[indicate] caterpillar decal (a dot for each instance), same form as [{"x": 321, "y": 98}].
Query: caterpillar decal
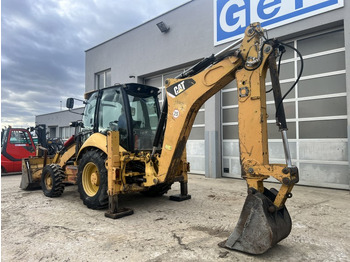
[{"x": 178, "y": 88}]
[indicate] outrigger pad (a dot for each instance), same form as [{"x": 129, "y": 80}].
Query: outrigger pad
[
  {"x": 122, "y": 212},
  {"x": 179, "y": 197},
  {"x": 259, "y": 229}
]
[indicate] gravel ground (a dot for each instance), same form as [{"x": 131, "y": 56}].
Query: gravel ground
[{"x": 37, "y": 228}]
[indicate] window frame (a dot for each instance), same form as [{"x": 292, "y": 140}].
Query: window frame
[{"x": 103, "y": 74}]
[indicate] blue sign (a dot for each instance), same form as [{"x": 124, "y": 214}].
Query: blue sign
[{"x": 231, "y": 17}]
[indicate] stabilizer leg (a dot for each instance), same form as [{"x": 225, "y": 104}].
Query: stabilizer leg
[
  {"x": 113, "y": 211},
  {"x": 184, "y": 193}
]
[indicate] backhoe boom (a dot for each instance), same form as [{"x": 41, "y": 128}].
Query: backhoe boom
[{"x": 185, "y": 96}]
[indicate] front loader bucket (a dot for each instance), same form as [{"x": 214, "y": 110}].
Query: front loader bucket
[
  {"x": 27, "y": 182},
  {"x": 260, "y": 225}
]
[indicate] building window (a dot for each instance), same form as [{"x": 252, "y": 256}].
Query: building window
[
  {"x": 103, "y": 79},
  {"x": 52, "y": 133},
  {"x": 66, "y": 132}
]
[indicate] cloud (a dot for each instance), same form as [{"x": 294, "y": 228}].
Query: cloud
[{"x": 43, "y": 44}]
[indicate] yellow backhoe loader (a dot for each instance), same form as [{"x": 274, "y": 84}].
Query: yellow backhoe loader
[{"x": 128, "y": 144}]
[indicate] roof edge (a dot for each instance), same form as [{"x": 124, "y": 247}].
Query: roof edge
[{"x": 62, "y": 111}]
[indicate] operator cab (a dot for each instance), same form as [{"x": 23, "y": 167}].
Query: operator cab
[{"x": 131, "y": 109}]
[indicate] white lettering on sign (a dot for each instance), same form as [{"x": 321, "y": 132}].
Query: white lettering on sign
[
  {"x": 179, "y": 88},
  {"x": 231, "y": 17}
]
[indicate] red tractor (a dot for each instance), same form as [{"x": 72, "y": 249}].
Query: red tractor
[{"x": 16, "y": 143}]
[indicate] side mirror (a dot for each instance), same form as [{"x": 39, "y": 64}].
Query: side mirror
[{"x": 70, "y": 103}]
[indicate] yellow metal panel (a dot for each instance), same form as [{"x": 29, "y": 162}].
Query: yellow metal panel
[
  {"x": 113, "y": 161},
  {"x": 67, "y": 155},
  {"x": 97, "y": 140}
]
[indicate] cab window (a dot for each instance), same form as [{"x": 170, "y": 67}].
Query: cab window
[
  {"x": 144, "y": 121},
  {"x": 19, "y": 137},
  {"x": 112, "y": 114},
  {"x": 89, "y": 113},
  {"x": 111, "y": 107}
]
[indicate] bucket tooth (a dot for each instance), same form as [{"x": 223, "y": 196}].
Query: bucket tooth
[{"x": 260, "y": 225}]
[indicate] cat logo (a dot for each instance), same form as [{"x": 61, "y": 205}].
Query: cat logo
[{"x": 179, "y": 88}]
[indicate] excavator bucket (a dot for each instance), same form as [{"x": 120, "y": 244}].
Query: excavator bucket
[
  {"x": 27, "y": 181},
  {"x": 260, "y": 225}
]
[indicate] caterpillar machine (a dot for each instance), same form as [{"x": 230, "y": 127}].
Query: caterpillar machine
[{"x": 128, "y": 144}]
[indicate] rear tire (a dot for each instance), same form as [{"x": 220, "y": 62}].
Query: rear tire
[
  {"x": 92, "y": 180},
  {"x": 51, "y": 180}
]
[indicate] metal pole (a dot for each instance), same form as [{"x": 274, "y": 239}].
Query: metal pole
[{"x": 286, "y": 148}]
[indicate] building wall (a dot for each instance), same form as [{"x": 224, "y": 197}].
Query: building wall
[
  {"x": 149, "y": 56},
  {"x": 190, "y": 38},
  {"x": 57, "y": 123},
  {"x": 149, "y": 51}
]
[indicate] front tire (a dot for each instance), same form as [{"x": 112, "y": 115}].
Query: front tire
[
  {"x": 51, "y": 180},
  {"x": 92, "y": 180}
]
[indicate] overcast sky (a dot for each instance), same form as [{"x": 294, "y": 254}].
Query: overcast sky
[{"x": 43, "y": 44}]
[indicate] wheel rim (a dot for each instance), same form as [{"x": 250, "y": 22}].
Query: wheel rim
[
  {"x": 91, "y": 179},
  {"x": 48, "y": 181}
]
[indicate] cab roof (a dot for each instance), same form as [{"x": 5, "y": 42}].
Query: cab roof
[{"x": 135, "y": 89}]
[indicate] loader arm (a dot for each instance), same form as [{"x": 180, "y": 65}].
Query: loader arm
[{"x": 185, "y": 96}]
